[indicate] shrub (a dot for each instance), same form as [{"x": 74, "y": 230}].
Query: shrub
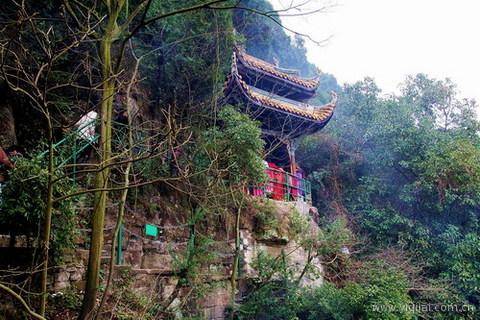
[
  {"x": 266, "y": 219},
  {"x": 381, "y": 292},
  {"x": 237, "y": 146},
  {"x": 332, "y": 237},
  {"x": 299, "y": 224},
  {"x": 23, "y": 202}
]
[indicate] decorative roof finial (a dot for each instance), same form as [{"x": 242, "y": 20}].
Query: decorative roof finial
[
  {"x": 276, "y": 62},
  {"x": 334, "y": 100}
]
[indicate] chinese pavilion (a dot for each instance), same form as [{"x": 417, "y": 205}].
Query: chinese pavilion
[{"x": 278, "y": 98}]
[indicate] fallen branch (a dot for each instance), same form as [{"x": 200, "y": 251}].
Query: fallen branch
[{"x": 20, "y": 299}]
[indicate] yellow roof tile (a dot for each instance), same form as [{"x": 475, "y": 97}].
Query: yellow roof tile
[
  {"x": 271, "y": 69},
  {"x": 317, "y": 113}
]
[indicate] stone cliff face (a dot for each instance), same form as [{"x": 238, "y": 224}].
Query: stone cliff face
[
  {"x": 151, "y": 264},
  {"x": 7, "y": 126},
  {"x": 278, "y": 240}
]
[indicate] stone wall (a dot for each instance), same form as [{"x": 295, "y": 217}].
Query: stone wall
[
  {"x": 150, "y": 262},
  {"x": 7, "y": 126},
  {"x": 277, "y": 242}
]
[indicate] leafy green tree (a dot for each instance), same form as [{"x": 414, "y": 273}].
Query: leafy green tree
[
  {"x": 405, "y": 169},
  {"x": 23, "y": 203},
  {"x": 238, "y": 144},
  {"x": 266, "y": 39},
  {"x": 194, "y": 52}
]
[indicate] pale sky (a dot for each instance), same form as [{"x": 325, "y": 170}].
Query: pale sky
[{"x": 390, "y": 39}]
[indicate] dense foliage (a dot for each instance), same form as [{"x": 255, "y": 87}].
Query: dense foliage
[
  {"x": 22, "y": 205},
  {"x": 266, "y": 38},
  {"x": 396, "y": 178},
  {"x": 236, "y": 145},
  {"x": 405, "y": 169},
  {"x": 377, "y": 290},
  {"x": 192, "y": 52},
  {"x": 380, "y": 295}
]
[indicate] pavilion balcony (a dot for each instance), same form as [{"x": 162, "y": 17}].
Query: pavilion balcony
[{"x": 283, "y": 186}]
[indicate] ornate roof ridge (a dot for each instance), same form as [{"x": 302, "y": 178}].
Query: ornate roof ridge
[
  {"x": 316, "y": 113},
  {"x": 254, "y": 62}
]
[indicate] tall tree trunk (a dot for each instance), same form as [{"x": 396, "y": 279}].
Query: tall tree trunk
[
  {"x": 126, "y": 183},
  {"x": 236, "y": 257},
  {"x": 47, "y": 223},
  {"x": 102, "y": 178}
]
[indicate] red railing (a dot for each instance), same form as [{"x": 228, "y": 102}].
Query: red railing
[{"x": 283, "y": 186}]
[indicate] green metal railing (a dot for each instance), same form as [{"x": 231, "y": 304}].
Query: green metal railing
[{"x": 77, "y": 140}]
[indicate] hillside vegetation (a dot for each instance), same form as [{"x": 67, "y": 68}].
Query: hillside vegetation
[{"x": 395, "y": 178}]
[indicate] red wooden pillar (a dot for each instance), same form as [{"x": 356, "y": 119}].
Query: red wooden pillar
[
  {"x": 292, "y": 183},
  {"x": 291, "y": 147}
]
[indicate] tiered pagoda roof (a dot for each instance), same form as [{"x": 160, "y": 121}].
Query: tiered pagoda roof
[
  {"x": 276, "y": 97},
  {"x": 272, "y": 71}
]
